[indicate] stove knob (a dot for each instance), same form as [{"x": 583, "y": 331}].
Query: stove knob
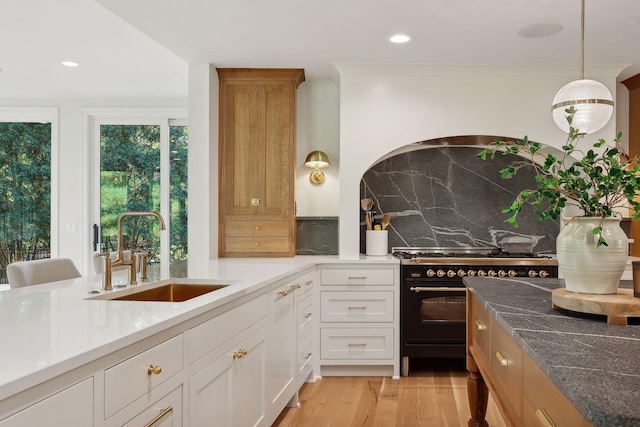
[
  {"x": 491, "y": 273},
  {"x": 471, "y": 273},
  {"x": 512, "y": 273},
  {"x": 482, "y": 273},
  {"x": 502, "y": 273},
  {"x": 532, "y": 273},
  {"x": 451, "y": 273},
  {"x": 543, "y": 273},
  {"x": 430, "y": 273},
  {"x": 441, "y": 273},
  {"x": 461, "y": 273}
]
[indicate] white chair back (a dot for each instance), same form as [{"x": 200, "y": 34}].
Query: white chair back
[{"x": 26, "y": 273}]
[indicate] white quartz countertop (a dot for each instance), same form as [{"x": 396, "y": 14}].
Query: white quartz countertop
[{"x": 51, "y": 329}]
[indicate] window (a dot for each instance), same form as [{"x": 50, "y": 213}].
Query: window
[
  {"x": 142, "y": 166},
  {"x": 25, "y": 186}
]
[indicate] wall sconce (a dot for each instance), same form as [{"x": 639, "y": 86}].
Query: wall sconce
[{"x": 316, "y": 160}]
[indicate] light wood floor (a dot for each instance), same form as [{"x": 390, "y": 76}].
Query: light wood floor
[{"x": 435, "y": 397}]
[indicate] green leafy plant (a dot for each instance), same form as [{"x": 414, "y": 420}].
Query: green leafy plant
[{"x": 597, "y": 180}]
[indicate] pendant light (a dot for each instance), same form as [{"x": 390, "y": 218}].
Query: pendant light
[{"x": 591, "y": 99}]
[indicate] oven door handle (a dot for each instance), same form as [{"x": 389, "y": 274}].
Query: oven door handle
[{"x": 440, "y": 289}]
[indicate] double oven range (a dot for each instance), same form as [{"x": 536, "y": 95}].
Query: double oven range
[{"x": 433, "y": 297}]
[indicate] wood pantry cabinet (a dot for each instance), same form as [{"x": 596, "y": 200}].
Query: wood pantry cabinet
[
  {"x": 257, "y": 140},
  {"x": 525, "y": 396}
]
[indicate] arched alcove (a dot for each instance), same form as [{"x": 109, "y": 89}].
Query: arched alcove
[{"x": 440, "y": 194}]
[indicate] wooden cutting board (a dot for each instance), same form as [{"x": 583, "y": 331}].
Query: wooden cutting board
[{"x": 617, "y": 307}]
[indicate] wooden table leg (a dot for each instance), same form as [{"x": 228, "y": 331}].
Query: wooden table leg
[{"x": 478, "y": 395}]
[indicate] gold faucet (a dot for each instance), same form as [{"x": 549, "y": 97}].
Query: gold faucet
[{"x": 131, "y": 262}]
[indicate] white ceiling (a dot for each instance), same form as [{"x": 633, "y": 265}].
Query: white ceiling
[{"x": 141, "y": 48}]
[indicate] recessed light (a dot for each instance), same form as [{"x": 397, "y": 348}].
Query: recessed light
[
  {"x": 70, "y": 63},
  {"x": 400, "y": 38},
  {"x": 536, "y": 31}
]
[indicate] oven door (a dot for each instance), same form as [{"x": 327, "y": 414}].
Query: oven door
[{"x": 434, "y": 313}]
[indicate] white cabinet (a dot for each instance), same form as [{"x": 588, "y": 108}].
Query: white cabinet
[
  {"x": 307, "y": 314},
  {"x": 282, "y": 342},
  {"x": 231, "y": 391},
  {"x": 71, "y": 407},
  {"x": 166, "y": 412},
  {"x": 138, "y": 375},
  {"x": 359, "y": 319}
]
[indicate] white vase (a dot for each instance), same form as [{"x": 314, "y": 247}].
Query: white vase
[{"x": 587, "y": 268}]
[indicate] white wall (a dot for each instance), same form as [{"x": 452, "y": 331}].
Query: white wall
[
  {"x": 318, "y": 128},
  {"x": 203, "y": 166},
  {"x": 383, "y": 107}
]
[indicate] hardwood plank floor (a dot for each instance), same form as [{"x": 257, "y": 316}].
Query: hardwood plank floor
[{"x": 433, "y": 396}]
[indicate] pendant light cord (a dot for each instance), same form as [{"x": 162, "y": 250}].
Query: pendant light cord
[{"x": 582, "y": 43}]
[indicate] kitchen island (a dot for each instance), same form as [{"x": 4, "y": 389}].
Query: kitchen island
[
  {"x": 591, "y": 364},
  {"x": 71, "y": 358}
]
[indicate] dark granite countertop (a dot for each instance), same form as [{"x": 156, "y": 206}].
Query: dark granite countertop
[{"x": 594, "y": 364}]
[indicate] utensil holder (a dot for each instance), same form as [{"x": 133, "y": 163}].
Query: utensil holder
[{"x": 377, "y": 242}]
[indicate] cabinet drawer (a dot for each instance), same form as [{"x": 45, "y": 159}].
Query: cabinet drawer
[
  {"x": 257, "y": 228},
  {"x": 355, "y": 343},
  {"x": 305, "y": 316},
  {"x": 305, "y": 359},
  {"x": 209, "y": 335},
  {"x": 480, "y": 330},
  {"x": 507, "y": 368},
  {"x": 166, "y": 412},
  {"x": 357, "y": 277},
  {"x": 306, "y": 285},
  {"x": 256, "y": 244},
  {"x": 356, "y": 306},
  {"x": 72, "y": 406},
  {"x": 544, "y": 404},
  {"x": 131, "y": 379}
]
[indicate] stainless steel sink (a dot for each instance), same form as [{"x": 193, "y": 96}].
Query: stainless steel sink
[{"x": 171, "y": 291}]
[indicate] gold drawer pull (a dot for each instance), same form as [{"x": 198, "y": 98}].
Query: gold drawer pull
[
  {"x": 154, "y": 370},
  {"x": 257, "y": 227},
  {"x": 481, "y": 326},
  {"x": 545, "y": 418},
  {"x": 296, "y": 286},
  {"x": 308, "y": 282},
  {"x": 357, "y": 307},
  {"x": 357, "y": 277},
  {"x": 257, "y": 244},
  {"x": 240, "y": 353},
  {"x": 159, "y": 417},
  {"x": 504, "y": 360},
  {"x": 306, "y": 315},
  {"x": 363, "y": 344},
  {"x": 283, "y": 293}
]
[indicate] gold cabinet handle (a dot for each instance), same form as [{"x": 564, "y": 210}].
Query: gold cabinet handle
[
  {"x": 357, "y": 344},
  {"x": 240, "y": 353},
  {"x": 357, "y": 277},
  {"x": 163, "y": 412},
  {"x": 308, "y": 282},
  {"x": 481, "y": 326},
  {"x": 504, "y": 360},
  {"x": 283, "y": 293},
  {"x": 357, "y": 307},
  {"x": 257, "y": 244},
  {"x": 544, "y": 418},
  {"x": 154, "y": 370},
  {"x": 296, "y": 286},
  {"x": 306, "y": 315},
  {"x": 257, "y": 227}
]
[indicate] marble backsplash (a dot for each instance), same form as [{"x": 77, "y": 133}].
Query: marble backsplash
[{"x": 448, "y": 197}]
